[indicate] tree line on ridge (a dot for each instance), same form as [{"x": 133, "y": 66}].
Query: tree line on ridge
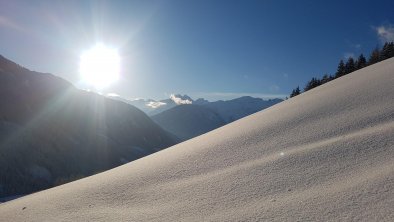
[{"x": 351, "y": 65}]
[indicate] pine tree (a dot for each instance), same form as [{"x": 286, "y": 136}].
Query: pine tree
[
  {"x": 326, "y": 78},
  {"x": 374, "y": 57},
  {"x": 314, "y": 82},
  {"x": 361, "y": 62},
  {"x": 387, "y": 51},
  {"x": 384, "y": 53},
  {"x": 349, "y": 67},
  {"x": 295, "y": 92},
  {"x": 340, "y": 70},
  {"x": 391, "y": 49}
]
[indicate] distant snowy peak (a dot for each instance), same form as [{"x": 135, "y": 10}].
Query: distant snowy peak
[
  {"x": 152, "y": 107},
  {"x": 179, "y": 99}
]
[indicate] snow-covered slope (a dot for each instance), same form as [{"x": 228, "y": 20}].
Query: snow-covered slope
[{"x": 327, "y": 154}]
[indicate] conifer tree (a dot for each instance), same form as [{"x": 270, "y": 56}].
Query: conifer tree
[
  {"x": 349, "y": 67},
  {"x": 391, "y": 49},
  {"x": 314, "y": 82},
  {"x": 326, "y": 78},
  {"x": 340, "y": 70},
  {"x": 384, "y": 53},
  {"x": 361, "y": 62},
  {"x": 387, "y": 51},
  {"x": 374, "y": 57},
  {"x": 295, "y": 92}
]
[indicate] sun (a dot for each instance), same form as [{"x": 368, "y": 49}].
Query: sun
[{"x": 100, "y": 66}]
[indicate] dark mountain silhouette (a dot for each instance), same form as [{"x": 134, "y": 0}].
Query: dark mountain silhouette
[
  {"x": 139, "y": 103},
  {"x": 200, "y": 101},
  {"x": 235, "y": 109},
  {"x": 52, "y": 133},
  {"x": 188, "y": 121}
]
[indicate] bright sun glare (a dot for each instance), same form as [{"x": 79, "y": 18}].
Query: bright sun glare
[{"x": 100, "y": 66}]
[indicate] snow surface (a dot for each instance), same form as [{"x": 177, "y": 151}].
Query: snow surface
[{"x": 326, "y": 155}]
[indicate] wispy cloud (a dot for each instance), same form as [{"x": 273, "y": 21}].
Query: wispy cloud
[
  {"x": 154, "y": 104},
  {"x": 347, "y": 55},
  {"x": 149, "y": 103},
  {"x": 385, "y": 33},
  {"x": 357, "y": 46},
  {"x": 179, "y": 101},
  {"x": 136, "y": 99},
  {"x": 212, "y": 96},
  {"x": 7, "y": 23}
]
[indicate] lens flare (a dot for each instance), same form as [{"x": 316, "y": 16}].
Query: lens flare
[{"x": 100, "y": 66}]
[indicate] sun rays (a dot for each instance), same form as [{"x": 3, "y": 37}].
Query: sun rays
[{"x": 100, "y": 66}]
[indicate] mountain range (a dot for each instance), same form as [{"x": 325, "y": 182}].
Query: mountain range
[
  {"x": 52, "y": 133},
  {"x": 186, "y": 118},
  {"x": 152, "y": 107}
]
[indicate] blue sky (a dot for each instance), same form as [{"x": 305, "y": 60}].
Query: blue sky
[{"x": 213, "y": 49}]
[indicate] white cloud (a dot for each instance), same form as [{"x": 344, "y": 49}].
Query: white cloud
[
  {"x": 154, "y": 104},
  {"x": 179, "y": 101},
  {"x": 112, "y": 95},
  {"x": 385, "y": 33},
  {"x": 136, "y": 99}
]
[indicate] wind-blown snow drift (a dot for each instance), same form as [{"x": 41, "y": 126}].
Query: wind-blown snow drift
[{"x": 327, "y": 154}]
